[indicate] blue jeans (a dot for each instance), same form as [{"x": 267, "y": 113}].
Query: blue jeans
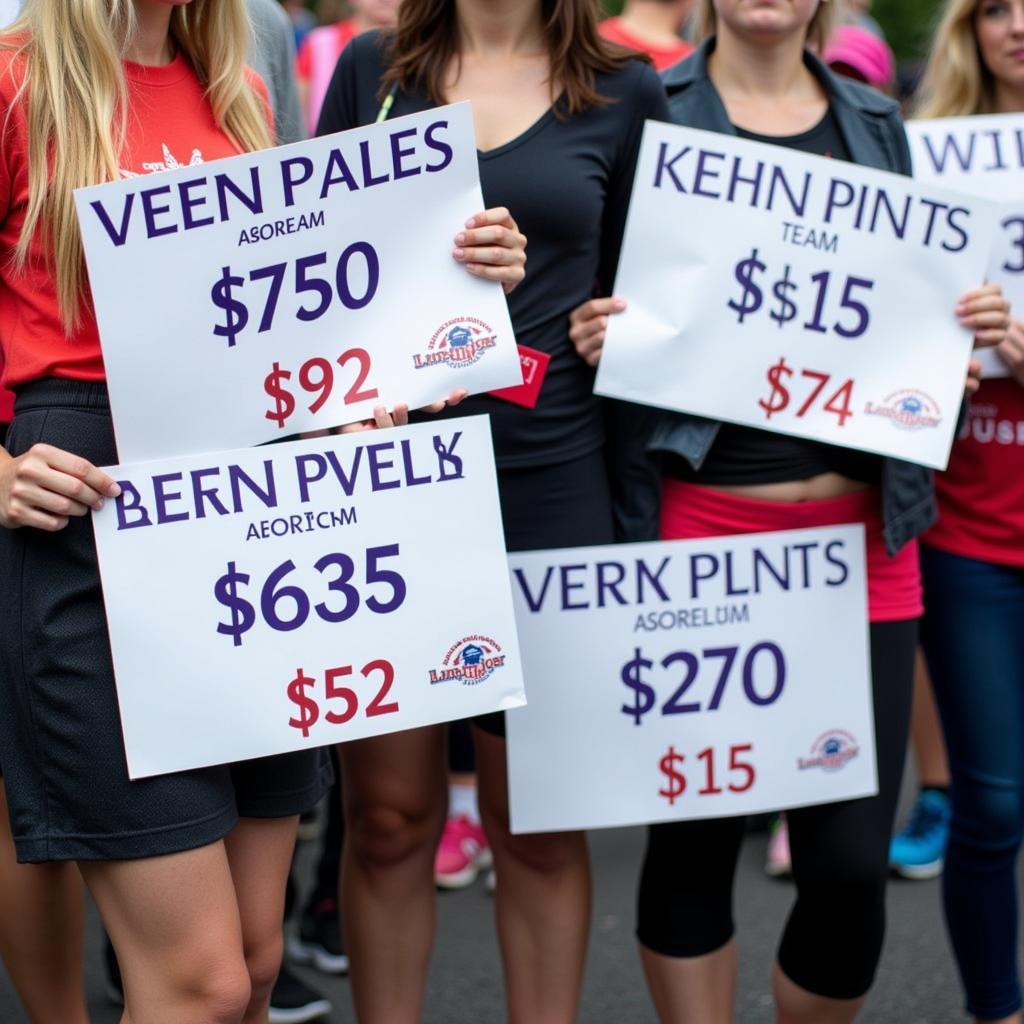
[{"x": 974, "y": 640}]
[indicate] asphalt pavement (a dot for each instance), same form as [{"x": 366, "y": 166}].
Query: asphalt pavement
[{"x": 916, "y": 984}]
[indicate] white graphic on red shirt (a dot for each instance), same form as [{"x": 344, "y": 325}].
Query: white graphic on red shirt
[{"x": 169, "y": 163}]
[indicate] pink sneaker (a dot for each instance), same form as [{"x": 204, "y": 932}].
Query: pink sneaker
[{"x": 462, "y": 853}]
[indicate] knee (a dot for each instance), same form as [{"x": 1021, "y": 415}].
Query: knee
[
  {"x": 262, "y": 962},
  {"x": 383, "y": 836},
  {"x": 223, "y": 991},
  {"x": 542, "y": 854},
  {"x": 989, "y": 818}
]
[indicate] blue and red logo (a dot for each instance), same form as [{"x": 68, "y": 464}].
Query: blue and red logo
[
  {"x": 908, "y": 410},
  {"x": 470, "y": 661},
  {"x": 831, "y": 752},
  {"x": 459, "y": 342}
]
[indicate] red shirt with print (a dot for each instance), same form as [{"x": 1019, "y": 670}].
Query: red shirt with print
[
  {"x": 981, "y": 494},
  {"x": 171, "y": 125}
]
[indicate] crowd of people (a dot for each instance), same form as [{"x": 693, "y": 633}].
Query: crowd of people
[{"x": 190, "y": 872}]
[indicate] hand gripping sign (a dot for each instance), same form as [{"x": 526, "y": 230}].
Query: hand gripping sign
[
  {"x": 282, "y": 291},
  {"x": 794, "y": 293},
  {"x": 691, "y": 679},
  {"x": 273, "y": 599},
  {"x": 982, "y": 156}
]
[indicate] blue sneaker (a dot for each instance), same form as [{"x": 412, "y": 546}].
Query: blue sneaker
[{"x": 918, "y": 851}]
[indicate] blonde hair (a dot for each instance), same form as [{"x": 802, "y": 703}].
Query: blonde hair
[
  {"x": 75, "y": 95},
  {"x": 956, "y": 82},
  {"x": 822, "y": 26}
]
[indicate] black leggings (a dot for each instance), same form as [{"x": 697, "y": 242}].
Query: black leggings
[{"x": 840, "y": 852}]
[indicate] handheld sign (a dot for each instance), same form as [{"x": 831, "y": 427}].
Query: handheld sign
[
  {"x": 691, "y": 679},
  {"x": 795, "y": 293},
  {"x": 274, "y": 599},
  {"x": 982, "y": 156},
  {"x": 283, "y": 291}
]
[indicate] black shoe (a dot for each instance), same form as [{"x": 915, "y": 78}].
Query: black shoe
[
  {"x": 319, "y": 940},
  {"x": 112, "y": 970},
  {"x": 294, "y": 1002}
]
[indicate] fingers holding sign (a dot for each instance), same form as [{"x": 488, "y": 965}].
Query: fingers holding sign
[
  {"x": 986, "y": 312},
  {"x": 493, "y": 247},
  {"x": 588, "y": 324},
  {"x": 1011, "y": 351},
  {"x": 399, "y": 415},
  {"x": 46, "y": 486}
]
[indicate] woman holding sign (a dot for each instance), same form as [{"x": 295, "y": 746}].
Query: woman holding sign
[
  {"x": 756, "y": 78},
  {"x": 188, "y": 870},
  {"x": 973, "y": 567},
  {"x": 558, "y": 114}
]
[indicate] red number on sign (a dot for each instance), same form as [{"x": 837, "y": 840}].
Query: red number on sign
[
  {"x": 839, "y": 403},
  {"x": 354, "y": 394},
  {"x": 745, "y": 767},
  {"x": 346, "y": 694},
  {"x": 377, "y": 705},
  {"x": 710, "y": 789},
  {"x": 822, "y": 379}
]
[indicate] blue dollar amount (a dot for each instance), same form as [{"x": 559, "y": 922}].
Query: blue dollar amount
[
  {"x": 359, "y": 260},
  {"x": 854, "y": 319},
  {"x": 643, "y": 697},
  {"x": 285, "y": 606}
]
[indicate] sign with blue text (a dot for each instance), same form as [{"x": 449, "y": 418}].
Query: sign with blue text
[
  {"x": 691, "y": 679},
  {"x": 795, "y": 293},
  {"x": 982, "y": 156},
  {"x": 293, "y": 289},
  {"x": 309, "y": 593}
]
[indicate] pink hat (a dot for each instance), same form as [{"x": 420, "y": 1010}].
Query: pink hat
[{"x": 863, "y": 51}]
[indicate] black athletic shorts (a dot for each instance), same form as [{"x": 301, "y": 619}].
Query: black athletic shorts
[
  {"x": 60, "y": 734},
  {"x": 564, "y": 505}
]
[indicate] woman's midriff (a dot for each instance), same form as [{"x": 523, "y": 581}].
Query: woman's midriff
[{"x": 692, "y": 511}]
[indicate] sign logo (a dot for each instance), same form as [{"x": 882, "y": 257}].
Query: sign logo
[
  {"x": 907, "y": 410},
  {"x": 831, "y": 752},
  {"x": 469, "y": 661},
  {"x": 459, "y": 342}
]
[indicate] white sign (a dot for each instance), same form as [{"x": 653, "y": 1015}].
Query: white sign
[
  {"x": 794, "y": 293},
  {"x": 268, "y": 600},
  {"x": 278, "y": 292},
  {"x": 691, "y": 679},
  {"x": 982, "y": 156}
]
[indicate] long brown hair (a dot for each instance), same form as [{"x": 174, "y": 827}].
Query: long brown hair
[{"x": 426, "y": 39}]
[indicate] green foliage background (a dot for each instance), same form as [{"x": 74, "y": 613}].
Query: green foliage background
[{"x": 908, "y": 24}]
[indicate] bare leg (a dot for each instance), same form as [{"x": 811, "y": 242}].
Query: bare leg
[
  {"x": 395, "y": 793},
  {"x": 174, "y": 924},
  {"x": 41, "y": 929},
  {"x": 926, "y": 731},
  {"x": 692, "y": 990},
  {"x": 795, "y": 1005},
  {"x": 1014, "y": 1018},
  {"x": 260, "y": 855},
  {"x": 542, "y": 902}
]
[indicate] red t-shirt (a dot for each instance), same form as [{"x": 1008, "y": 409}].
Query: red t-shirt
[
  {"x": 981, "y": 494},
  {"x": 663, "y": 56},
  {"x": 171, "y": 125}
]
